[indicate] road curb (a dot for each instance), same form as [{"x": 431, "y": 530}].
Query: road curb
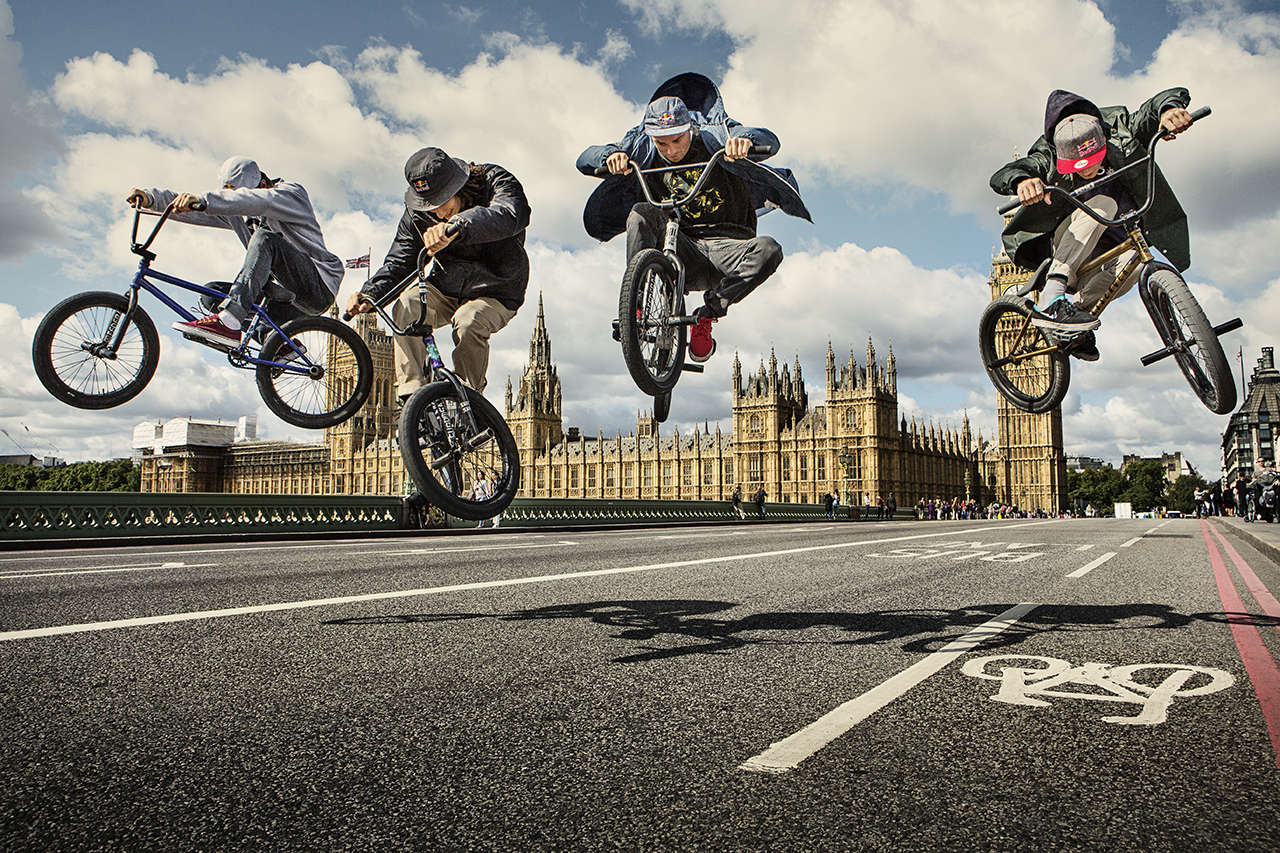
[{"x": 1267, "y": 543}]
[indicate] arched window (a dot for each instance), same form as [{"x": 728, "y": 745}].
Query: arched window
[
  {"x": 755, "y": 423},
  {"x": 850, "y": 420}
]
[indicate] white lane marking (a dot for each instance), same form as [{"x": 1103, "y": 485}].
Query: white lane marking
[
  {"x": 1133, "y": 541},
  {"x": 379, "y": 596},
  {"x": 1084, "y": 547},
  {"x": 786, "y": 754},
  {"x": 470, "y": 549},
  {"x": 1081, "y": 572},
  {"x": 97, "y": 570}
]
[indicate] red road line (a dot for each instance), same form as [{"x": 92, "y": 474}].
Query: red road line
[
  {"x": 1261, "y": 594},
  {"x": 1258, "y": 662}
]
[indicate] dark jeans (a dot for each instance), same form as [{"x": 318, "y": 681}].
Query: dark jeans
[
  {"x": 270, "y": 254},
  {"x": 727, "y": 268}
]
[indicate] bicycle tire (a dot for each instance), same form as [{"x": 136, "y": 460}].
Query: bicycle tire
[
  {"x": 322, "y": 400},
  {"x": 662, "y": 407},
  {"x": 76, "y": 376},
  {"x": 1182, "y": 324},
  {"x": 652, "y": 349},
  {"x": 1019, "y": 357},
  {"x": 428, "y": 419}
]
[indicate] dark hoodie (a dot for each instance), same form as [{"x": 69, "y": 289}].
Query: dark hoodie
[{"x": 1028, "y": 236}]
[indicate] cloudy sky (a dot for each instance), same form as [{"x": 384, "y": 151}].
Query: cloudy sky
[{"x": 892, "y": 113}]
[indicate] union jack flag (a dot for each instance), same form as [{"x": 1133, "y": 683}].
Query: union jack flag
[{"x": 358, "y": 263}]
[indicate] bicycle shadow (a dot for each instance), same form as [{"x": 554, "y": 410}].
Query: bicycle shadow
[{"x": 692, "y": 627}]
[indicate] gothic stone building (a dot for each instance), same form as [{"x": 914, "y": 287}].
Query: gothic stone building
[{"x": 777, "y": 442}]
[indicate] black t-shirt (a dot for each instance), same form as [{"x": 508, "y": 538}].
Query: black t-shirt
[{"x": 722, "y": 209}]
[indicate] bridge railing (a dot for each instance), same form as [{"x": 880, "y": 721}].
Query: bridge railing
[{"x": 36, "y": 516}]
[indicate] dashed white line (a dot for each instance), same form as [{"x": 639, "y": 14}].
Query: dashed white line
[
  {"x": 1133, "y": 541},
  {"x": 786, "y": 754},
  {"x": 1081, "y": 572},
  {"x": 98, "y": 570}
]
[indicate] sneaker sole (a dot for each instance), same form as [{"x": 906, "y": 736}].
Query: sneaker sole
[
  {"x": 202, "y": 335},
  {"x": 1048, "y": 323},
  {"x": 704, "y": 358}
]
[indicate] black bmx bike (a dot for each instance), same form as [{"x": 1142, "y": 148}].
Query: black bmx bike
[
  {"x": 652, "y": 322},
  {"x": 456, "y": 447},
  {"x": 99, "y": 349},
  {"x": 1029, "y": 365}
]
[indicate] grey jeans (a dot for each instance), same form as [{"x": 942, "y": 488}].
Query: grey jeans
[
  {"x": 271, "y": 254},
  {"x": 727, "y": 268}
]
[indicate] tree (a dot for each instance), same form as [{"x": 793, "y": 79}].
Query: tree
[
  {"x": 1182, "y": 493},
  {"x": 1144, "y": 485},
  {"x": 117, "y": 476},
  {"x": 1097, "y": 486}
]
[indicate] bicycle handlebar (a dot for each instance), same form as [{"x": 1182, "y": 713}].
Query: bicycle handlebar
[
  {"x": 1072, "y": 197},
  {"x": 754, "y": 151},
  {"x": 424, "y": 259}
]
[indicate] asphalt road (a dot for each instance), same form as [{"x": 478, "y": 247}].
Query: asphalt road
[{"x": 971, "y": 686}]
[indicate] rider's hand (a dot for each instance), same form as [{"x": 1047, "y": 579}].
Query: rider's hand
[
  {"x": 358, "y": 303},
  {"x": 1031, "y": 190},
  {"x": 434, "y": 237},
  {"x": 736, "y": 146},
  {"x": 138, "y": 197},
  {"x": 618, "y": 163},
  {"x": 1174, "y": 121},
  {"x": 185, "y": 202}
]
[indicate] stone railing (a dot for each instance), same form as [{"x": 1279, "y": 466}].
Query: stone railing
[{"x": 106, "y": 515}]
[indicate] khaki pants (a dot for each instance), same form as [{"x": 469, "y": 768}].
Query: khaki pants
[
  {"x": 473, "y": 322},
  {"x": 1074, "y": 243}
]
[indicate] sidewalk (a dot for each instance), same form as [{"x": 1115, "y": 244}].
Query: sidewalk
[{"x": 1261, "y": 535}]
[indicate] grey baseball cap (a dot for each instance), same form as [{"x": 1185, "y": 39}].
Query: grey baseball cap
[
  {"x": 1080, "y": 143},
  {"x": 239, "y": 172},
  {"x": 667, "y": 116},
  {"x": 434, "y": 177}
]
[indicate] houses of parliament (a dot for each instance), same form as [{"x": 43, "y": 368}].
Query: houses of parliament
[{"x": 855, "y": 444}]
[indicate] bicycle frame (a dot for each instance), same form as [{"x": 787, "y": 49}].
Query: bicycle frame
[
  {"x": 421, "y": 328},
  {"x": 243, "y": 356}
]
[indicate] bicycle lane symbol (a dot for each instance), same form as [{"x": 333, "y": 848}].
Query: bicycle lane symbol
[
  {"x": 1024, "y": 685},
  {"x": 959, "y": 551}
]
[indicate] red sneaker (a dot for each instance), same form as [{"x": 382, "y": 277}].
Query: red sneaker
[
  {"x": 210, "y": 329},
  {"x": 701, "y": 345}
]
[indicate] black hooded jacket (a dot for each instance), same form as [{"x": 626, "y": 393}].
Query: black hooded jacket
[{"x": 1028, "y": 236}]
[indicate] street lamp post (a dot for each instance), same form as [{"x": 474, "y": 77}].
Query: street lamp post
[
  {"x": 846, "y": 459},
  {"x": 968, "y": 483}
]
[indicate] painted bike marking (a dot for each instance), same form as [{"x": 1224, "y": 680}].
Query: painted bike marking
[{"x": 1026, "y": 685}]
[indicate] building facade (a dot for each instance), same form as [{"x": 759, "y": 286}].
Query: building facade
[
  {"x": 856, "y": 445},
  {"x": 1250, "y": 438}
]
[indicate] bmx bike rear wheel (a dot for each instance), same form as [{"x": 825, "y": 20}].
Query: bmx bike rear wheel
[
  {"x": 1026, "y": 367},
  {"x": 1184, "y": 328}
]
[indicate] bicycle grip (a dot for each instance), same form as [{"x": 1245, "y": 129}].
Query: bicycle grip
[
  {"x": 601, "y": 172},
  {"x": 1010, "y": 205},
  {"x": 1196, "y": 115},
  {"x": 761, "y": 150},
  {"x": 347, "y": 315}
]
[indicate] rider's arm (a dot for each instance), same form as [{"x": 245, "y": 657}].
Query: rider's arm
[
  {"x": 634, "y": 145},
  {"x": 505, "y": 215},
  {"x": 1146, "y": 119},
  {"x": 1040, "y": 162},
  {"x": 402, "y": 259},
  {"x": 160, "y": 199},
  {"x": 757, "y": 136}
]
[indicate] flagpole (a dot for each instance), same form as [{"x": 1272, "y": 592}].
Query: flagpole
[{"x": 1240, "y": 358}]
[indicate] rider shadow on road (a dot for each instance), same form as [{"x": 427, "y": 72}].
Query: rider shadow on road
[{"x": 696, "y": 627}]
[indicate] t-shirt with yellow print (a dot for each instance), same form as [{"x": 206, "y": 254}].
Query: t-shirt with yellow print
[{"x": 722, "y": 209}]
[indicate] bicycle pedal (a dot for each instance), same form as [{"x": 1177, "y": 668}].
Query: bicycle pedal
[
  {"x": 480, "y": 439},
  {"x": 617, "y": 335}
]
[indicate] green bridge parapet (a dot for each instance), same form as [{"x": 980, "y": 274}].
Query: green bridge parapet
[
  {"x": 49, "y": 516},
  {"x": 26, "y": 516}
]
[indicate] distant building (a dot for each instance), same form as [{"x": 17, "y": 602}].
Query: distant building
[
  {"x": 1081, "y": 463},
  {"x": 1174, "y": 464},
  {"x": 28, "y": 459},
  {"x": 856, "y": 444},
  {"x": 1248, "y": 438}
]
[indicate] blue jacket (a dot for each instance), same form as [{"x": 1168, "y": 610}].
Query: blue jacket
[{"x": 605, "y": 215}]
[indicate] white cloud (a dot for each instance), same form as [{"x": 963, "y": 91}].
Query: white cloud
[{"x": 26, "y": 136}]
